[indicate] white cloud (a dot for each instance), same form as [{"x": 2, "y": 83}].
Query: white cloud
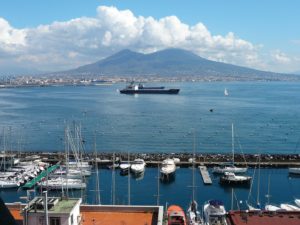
[
  {"x": 64, "y": 45},
  {"x": 281, "y": 57}
]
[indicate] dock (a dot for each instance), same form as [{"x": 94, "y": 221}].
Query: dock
[
  {"x": 43, "y": 174},
  {"x": 205, "y": 175}
]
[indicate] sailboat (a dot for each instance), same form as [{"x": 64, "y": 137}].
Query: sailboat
[
  {"x": 226, "y": 92},
  {"x": 230, "y": 168},
  {"x": 193, "y": 215}
]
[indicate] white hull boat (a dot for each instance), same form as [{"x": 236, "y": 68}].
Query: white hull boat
[
  {"x": 294, "y": 170},
  {"x": 231, "y": 178},
  {"x": 138, "y": 166},
  {"x": 229, "y": 169},
  {"x": 168, "y": 168},
  {"x": 272, "y": 208},
  {"x": 214, "y": 213},
  {"x": 289, "y": 207},
  {"x": 8, "y": 184},
  {"x": 124, "y": 168},
  {"x": 64, "y": 183}
]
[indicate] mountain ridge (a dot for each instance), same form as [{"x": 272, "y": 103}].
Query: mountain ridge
[{"x": 172, "y": 62}]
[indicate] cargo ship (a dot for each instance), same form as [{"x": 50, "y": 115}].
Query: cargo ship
[{"x": 141, "y": 89}]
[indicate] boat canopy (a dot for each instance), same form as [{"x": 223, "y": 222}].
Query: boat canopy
[{"x": 216, "y": 203}]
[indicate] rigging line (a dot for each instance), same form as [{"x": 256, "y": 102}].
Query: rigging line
[
  {"x": 251, "y": 184},
  {"x": 240, "y": 146}
]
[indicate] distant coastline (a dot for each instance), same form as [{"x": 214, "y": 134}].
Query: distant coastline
[{"x": 66, "y": 80}]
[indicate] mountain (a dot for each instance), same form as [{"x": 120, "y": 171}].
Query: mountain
[{"x": 168, "y": 63}]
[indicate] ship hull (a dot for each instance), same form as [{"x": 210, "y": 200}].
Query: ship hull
[{"x": 149, "y": 91}]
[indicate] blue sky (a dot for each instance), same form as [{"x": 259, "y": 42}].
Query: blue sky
[{"x": 271, "y": 26}]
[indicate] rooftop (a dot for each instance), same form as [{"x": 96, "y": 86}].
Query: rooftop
[
  {"x": 263, "y": 218},
  {"x": 55, "y": 205},
  {"x": 102, "y": 214}
]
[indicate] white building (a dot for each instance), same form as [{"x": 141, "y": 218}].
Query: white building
[{"x": 60, "y": 211}]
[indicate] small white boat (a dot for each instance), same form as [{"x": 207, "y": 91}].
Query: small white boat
[
  {"x": 124, "y": 168},
  {"x": 226, "y": 92},
  {"x": 138, "y": 166},
  {"x": 294, "y": 170},
  {"x": 168, "y": 168},
  {"x": 272, "y": 208},
  {"x": 229, "y": 169},
  {"x": 214, "y": 213},
  {"x": 59, "y": 183},
  {"x": 9, "y": 184},
  {"x": 231, "y": 178},
  {"x": 289, "y": 207}
]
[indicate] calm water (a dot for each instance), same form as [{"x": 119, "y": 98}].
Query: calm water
[
  {"x": 266, "y": 117},
  {"x": 283, "y": 189}
]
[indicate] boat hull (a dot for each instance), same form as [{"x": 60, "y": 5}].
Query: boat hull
[{"x": 150, "y": 91}]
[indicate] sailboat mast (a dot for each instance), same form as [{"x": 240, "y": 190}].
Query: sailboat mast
[
  {"x": 258, "y": 183},
  {"x": 98, "y": 197},
  {"x": 232, "y": 142},
  {"x": 128, "y": 180},
  {"x": 193, "y": 163},
  {"x": 113, "y": 182},
  {"x": 268, "y": 195},
  {"x": 158, "y": 193}
]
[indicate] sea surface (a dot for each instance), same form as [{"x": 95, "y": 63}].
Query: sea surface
[{"x": 266, "y": 117}]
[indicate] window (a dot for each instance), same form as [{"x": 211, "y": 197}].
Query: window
[
  {"x": 72, "y": 219},
  {"x": 54, "y": 221}
]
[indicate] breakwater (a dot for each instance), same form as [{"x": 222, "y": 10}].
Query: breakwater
[{"x": 186, "y": 159}]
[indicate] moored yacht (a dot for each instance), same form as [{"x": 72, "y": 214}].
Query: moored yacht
[
  {"x": 138, "y": 166},
  {"x": 231, "y": 178},
  {"x": 272, "y": 208},
  {"x": 289, "y": 207},
  {"x": 9, "y": 184},
  {"x": 59, "y": 183},
  {"x": 168, "y": 168},
  {"x": 124, "y": 168},
  {"x": 176, "y": 215},
  {"x": 214, "y": 213},
  {"x": 229, "y": 168},
  {"x": 295, "y": 170}
]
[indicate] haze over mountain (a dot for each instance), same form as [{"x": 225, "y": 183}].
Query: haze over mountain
[{"x": 166, "y": 63}]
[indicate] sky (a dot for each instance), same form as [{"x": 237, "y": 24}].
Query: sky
[{"x": 54, "y": 35}]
